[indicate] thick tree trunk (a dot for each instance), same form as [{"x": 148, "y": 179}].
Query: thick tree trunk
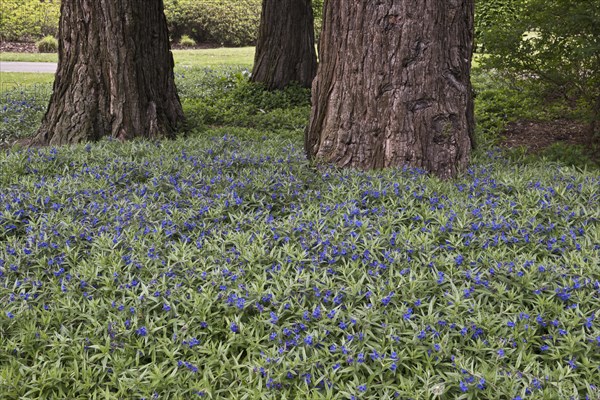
[
  {"x": 393, "y": 86},
  {"x": 285, "y": 50},
  {"x": 115, "y": 74}
]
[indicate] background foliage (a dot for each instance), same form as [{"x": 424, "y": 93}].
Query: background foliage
[
  {"x": 225, "y": 22},
  {"x": 231, "y": 23},
  {"x": 28, "y": 19},
  {"x": 551, "y": 45}
]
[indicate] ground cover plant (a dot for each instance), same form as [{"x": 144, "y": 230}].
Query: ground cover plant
[{"x": 223, "y": 265}]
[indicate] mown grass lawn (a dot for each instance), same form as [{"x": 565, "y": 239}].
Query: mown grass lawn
[
  {"x": 199, "y": 58},
  {"x": 223, "y": 265}
]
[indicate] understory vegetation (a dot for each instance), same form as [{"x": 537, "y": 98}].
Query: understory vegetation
[{"x": 223, "y": 265}]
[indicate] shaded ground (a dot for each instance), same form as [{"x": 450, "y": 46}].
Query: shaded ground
[{"x": 538, "y": 135}]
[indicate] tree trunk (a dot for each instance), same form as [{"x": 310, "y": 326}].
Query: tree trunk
[
  {"x": 115, "y": 74},
  {"x": 393, "y": 86},
  {"x": 285, "y": 50}
]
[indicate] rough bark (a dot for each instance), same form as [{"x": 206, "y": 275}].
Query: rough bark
[
  {"x": 285, "y": 50},
  {"x": 115, "y": 74},
  {"x": 393, "y": 86}
]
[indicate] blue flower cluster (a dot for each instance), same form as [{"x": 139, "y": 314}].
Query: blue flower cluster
[{"x": 227, "y": 260}]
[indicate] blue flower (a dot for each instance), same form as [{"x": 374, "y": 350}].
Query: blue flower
[
  {"x": 463, "y": 386},
  {"x": 440, "y": 277},
  {"x": 360, "y": 358},
  {"x": 362, "y": 388},
  {"x": 142, "y": 331},
  {"x": 481, "y": 384},
  {"x": 234, "y": 328},
  {"x": 317, "y": 313}
]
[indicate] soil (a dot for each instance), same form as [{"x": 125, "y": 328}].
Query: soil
[{"x": 538, "y": 135}]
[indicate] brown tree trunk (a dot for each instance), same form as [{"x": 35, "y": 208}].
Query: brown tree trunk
[
  {"x": 115, "y": 74},
  {"x": 393, "y": 86},
  {"x": 285, "y": 50}
]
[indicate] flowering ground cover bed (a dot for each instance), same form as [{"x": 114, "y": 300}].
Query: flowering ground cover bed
[
  {"x": 226, "y": 267},
  {"x": 222, "y": 265}
]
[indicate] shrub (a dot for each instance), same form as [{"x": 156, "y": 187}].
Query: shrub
[
  {"x": 23, "y": 20},
  {"x": 187, "y": 41},
  {"x": 553, "y": 45},
  {"x": 227, "y": 22},
  {"x": 48, "y": 44}
]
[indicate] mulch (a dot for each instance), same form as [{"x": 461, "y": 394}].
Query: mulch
[
  {"x": 16, "y": 47},
  {"x": 538, "y": 135}
]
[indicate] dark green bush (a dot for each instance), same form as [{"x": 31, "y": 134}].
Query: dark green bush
[
  {"x": 226, "y": 22},
  {"x": 48, "y": 44}
]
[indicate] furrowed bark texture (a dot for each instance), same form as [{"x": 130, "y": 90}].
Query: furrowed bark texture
[
  {"x": 393, "y": 86},
  {"x": 285, "y": 50},
  {"x": 115, "y": 74}
]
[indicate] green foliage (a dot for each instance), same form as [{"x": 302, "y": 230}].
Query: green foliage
[
  {"x": 226, "y": 97},
  {"x": 48, "y": 44},
  {"x": 553, "y": 44},
  {"x": 500, "y": 100},
  {"x": 227, "y": 22},
  {"x": 22, "y": 20},
  {"x": 187, "y": 41},
  {"x": 488, "y": 14},
  {"x": 567, "y": 154},
  {"x": 318, "y": 14}
]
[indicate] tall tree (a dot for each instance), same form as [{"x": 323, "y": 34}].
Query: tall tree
[
  {"x": 285, "y": 50},
  {"x": 393, "y": 85},
  {"x": 115, "y": 74}
]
